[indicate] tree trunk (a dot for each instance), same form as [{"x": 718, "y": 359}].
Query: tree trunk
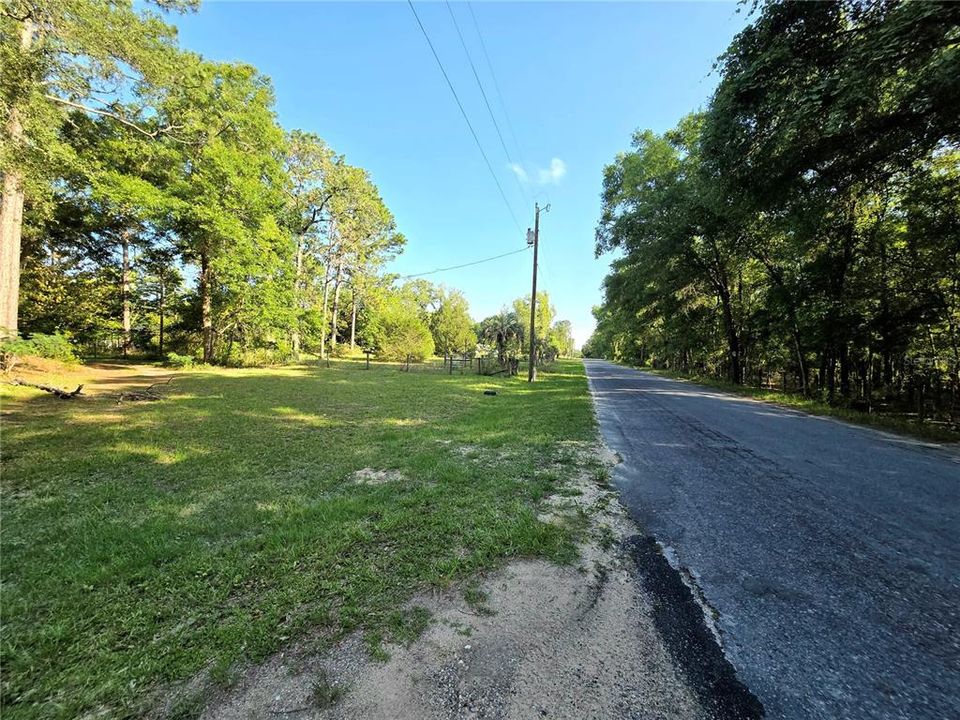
[
  {"x": 353, "y": 320},
  {"x": 11, "y": 221},
  {"x": 11, "y": 215},
  {"x": 733, "y": 340},
  {"x": 161, "y": 328},
  {"x": 838, "y": 328},
  {"x": 297, "y": 302},
  {"x": 776, "y": 277},
  {"x": 831, "y": 370},
  {"x": 717, "y": 271},
  {"x": 323, "y": 316},
  {"x": 161, "y": 309},
  {"x": 206, "y": 306},
  {"x": 326, "y": 288},
  {"x": 336, "y": 305},
  {"x": 801, "y": 363},
  {"x": 125, "y": 291},
  {"x": 845, "y": 371}
]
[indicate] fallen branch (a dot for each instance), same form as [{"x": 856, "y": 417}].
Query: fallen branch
[
  {"x": 62, "y": 394},
  {"x": 146, "y": 395}
]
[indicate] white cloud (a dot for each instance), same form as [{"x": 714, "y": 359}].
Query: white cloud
[
  {"x": 545, "y": 176},
  {"x": 558, "y": 168},
  {"x": 519, "y": 172}
]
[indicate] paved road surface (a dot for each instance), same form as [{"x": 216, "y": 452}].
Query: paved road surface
[{"x": 830, "y": 553}]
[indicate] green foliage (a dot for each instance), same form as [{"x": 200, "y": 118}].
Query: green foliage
[
  {"x": 834, "y": 93},
  {"x": 505, "y": 332},
  {"x": 66, "y": 295},
  {"x": 553, "y": 339},
  {"x": 560, "y": 338},
  {"x": 81, "y": 52},
  {"x": 53, "y": 347},
  {"x": 451, "y": 325},
  {"x": 803, "y": 230},
  {"x": 258, "y": 357},
  {"x": 545, "y": 314},
  {"x": 167, "y": 210},
  {"x": 400, "y": 332},
  {"x": 179, "y": 362},
  {"x": 324, "y": 693}
]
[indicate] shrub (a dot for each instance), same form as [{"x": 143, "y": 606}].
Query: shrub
[
  {"x": 179, "y": 361},
  {"x": 404, "y": 334},
  {"x": 342, "y": 350},
  {"x": 258, "y": 357},
  {"x": 52, "y": 347}
]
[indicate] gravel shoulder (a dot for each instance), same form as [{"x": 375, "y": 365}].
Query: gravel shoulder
[{"x": 536, "y": 639}]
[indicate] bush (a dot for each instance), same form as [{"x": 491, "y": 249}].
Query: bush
[
  {"x": 52, "y": 347},
  {"x": 342, "y": 350},
  {"x": 404, "y": 334},
  {"x": 179, "y": 361},
  {"x": 258, "y": 357}
]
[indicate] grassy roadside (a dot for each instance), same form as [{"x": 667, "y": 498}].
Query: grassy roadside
[
  {"x": 144, "y": 543},
  {"x": 880, "y": 421}
]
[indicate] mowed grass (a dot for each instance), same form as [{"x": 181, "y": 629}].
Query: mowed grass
[{"x": 147, "y": 542}]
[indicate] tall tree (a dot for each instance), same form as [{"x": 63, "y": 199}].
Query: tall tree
[
  {"x": 451, "y": 325},
  {"x": 366, "y": 233},
  {"x": 159, "y": 287},
  {"x": 661, "y": 206},
  {"x": 122, "y": 178},
  {"x": 543, "y": 321},
  {"x": 314, "y": 175},
  {"x": 229, "y": 191},
  {"x": 786, "y": 230},
  {"x": 833, "y": 93},
  {"x": 560, "y": 338},
  {"x": 505, "y": 331},
  {"x": 55, "y": 57}
]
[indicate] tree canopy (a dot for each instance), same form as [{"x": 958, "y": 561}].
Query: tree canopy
[
  {"x": 802, "y": 228},
  {"x": 152, "y": 203}
]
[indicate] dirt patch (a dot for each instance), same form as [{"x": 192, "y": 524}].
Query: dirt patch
[
  {"x": 532, "y": 640},
  {"x": 371, "y": 476},
  {"x": 109, "y": 378},
  {"x": 99, "y": 378},
  {"x": 479, "y": 454}
]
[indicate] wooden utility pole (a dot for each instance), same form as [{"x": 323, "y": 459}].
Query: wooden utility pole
[{"x": 532, "y": 370}]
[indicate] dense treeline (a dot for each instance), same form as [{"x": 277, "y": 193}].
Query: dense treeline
[
  {"x": 164, "y": 206},
  {"x": 153, "y": 204},
  {"x": 804, "y": 229}
]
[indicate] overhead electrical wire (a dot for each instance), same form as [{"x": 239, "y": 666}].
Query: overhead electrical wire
[
  {"x": 463, "y": 112},
  {"x": 457, "y": 267},
  {"x": 496, "y": 85},
  {"x": 486, "y": 101}
]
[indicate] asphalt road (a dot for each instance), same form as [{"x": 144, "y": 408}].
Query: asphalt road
[{"x": 829, "y": 553}]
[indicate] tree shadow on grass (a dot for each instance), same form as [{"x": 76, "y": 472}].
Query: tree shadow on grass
[{"x": 146, "y": 541}]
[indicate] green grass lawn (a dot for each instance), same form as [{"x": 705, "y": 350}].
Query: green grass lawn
[
  {"x": 882, "y": 421},
  {"x": 147, "y": 542}
]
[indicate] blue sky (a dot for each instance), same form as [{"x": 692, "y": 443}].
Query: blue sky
[{"x": 576, "y": 78}]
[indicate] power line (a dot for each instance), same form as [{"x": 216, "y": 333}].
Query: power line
[
  {"x": 465, "y": 117},
  {"x": 457, "y": 267},
  {"x": 496, "y": 85},
  {"x": 486, "y": 102}
]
